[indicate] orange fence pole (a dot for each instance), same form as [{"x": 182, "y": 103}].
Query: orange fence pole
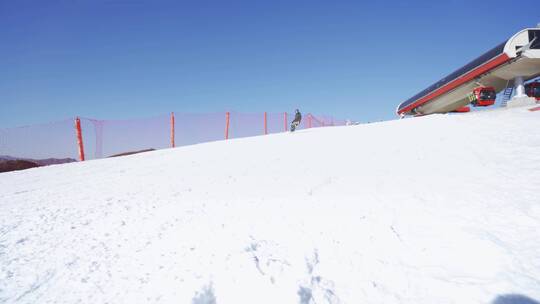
[
  {"x": 172, "y": 130},
  {"x": 309, "y": 120},
  {"x": 227, "y": 118},
  {"x": 285, "y": 120},
  {"x": 80, "y": 144},
  {"x": 265, "y": 124}
]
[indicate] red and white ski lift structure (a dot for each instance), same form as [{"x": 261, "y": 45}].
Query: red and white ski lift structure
[{"x": 506, "y": 67}]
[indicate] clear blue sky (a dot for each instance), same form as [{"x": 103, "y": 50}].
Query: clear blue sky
[{"x": 124, "y": 59}]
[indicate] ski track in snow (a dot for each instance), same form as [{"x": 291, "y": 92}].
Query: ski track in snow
[{"x": 436, "y": 209}]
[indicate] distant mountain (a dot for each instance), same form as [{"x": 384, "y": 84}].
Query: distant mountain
[
  {"x": 41, "y": 162},
  {"x": 53, "y": 161},
  {"x": 14, "y": 165},
  {"x": 133, "y": 152},
  {"x": 10, "y": 163}
]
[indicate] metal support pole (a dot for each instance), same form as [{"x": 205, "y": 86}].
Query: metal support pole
[
  {"x": 520, "y": 88},
  {"x": 227, "y": 118},
  {"x": 265, "y": 124},
  {"x": 80, "y": 144}
]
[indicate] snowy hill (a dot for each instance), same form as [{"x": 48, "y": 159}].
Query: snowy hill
[{"x": 436, "y": 209}]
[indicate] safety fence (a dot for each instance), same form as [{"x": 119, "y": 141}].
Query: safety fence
[{"x": 87, "y": 138}]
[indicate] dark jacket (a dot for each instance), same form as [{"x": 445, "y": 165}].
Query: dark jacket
[{"x": 297, "y": 117}]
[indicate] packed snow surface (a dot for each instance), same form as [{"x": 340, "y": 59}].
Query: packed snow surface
[{"x": 436, "y": 209}]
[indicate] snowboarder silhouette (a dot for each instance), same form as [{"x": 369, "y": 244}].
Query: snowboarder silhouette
[{"x": 296, "y": 121}]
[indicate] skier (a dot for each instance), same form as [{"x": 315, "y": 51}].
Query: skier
[{"x": 296, "y": 121}]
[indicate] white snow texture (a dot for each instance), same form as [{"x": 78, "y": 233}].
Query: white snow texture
[{"x": 435, "y": 209}]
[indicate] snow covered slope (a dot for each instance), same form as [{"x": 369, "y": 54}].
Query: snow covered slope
[{"x": 437, "y": 209}]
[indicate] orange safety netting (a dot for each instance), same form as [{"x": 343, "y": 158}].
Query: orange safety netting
[{"x": 104, "y": 138}]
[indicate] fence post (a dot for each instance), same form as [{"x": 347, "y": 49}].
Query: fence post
[
  {"x": 172, "y": 130},
  {"x": 227, "y": 118},
  {"x": 265, "y": 124},
  {"x": 309, "y": 120},
  {"x": 80, "y": 144},
  {"x": 285, "y": 122}
]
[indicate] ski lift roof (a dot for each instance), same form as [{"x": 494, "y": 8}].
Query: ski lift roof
[{"x": 504, "y": 53}]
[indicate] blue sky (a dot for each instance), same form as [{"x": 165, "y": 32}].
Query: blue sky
[{"x": 124, "y": 59}]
